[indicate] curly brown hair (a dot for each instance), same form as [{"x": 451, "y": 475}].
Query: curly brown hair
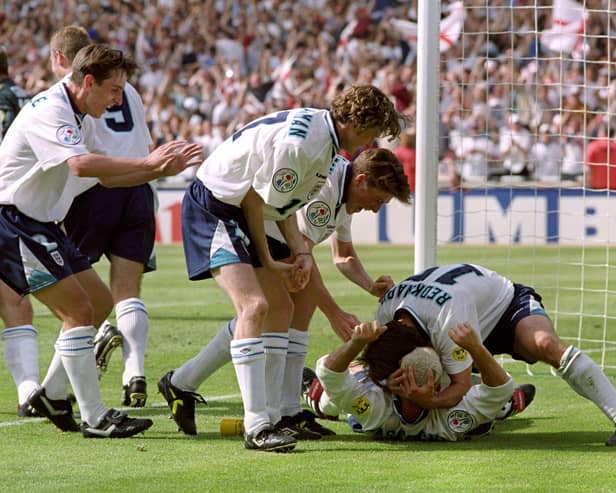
[
  {"x": 384, "y": 172},
  {"x": 382, "y": 357},
  {"x": 366, "y": 107}
]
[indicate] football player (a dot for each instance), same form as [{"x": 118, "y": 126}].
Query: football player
[
  {"x": 48, "y": 157},
  {"x": 392, "y": 415},
  {"x": 509, "y": 318},
  {"x": 118, "y": 222},
  {"x": 267, "y": 170},
  {"x": 373, "y": 178}
]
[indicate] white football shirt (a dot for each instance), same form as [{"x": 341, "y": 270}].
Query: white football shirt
[
  {"x": 122, "y": 130},
  {"x": 34, "y": 175},
  {"x": 326, "y": 213},
  {"x": 441, "y": 297},
  {"x": 285, "y": 156},
  {"x": 376, "y": 411}
]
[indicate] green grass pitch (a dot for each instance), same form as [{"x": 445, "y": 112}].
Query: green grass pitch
[{"x": 557, "y": 445}]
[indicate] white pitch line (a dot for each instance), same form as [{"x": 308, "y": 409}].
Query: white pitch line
[{"x": 156, "y": 405}]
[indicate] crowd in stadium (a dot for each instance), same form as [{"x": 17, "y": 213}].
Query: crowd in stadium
[{"x": 510, "y": 107}]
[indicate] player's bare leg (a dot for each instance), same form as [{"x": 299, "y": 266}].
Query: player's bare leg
[
  {"x": 240, "y": 284},
  {"x": 275, "y": 335},
  {"x": 537, "y": 340}
]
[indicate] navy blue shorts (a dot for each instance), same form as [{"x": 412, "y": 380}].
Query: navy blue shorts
[
  {"x": 525, "y": 302},
  {"x": 35, "y": 254},
  {"x": 216, "y": 234},
  {"x": 114, "y": 221}
]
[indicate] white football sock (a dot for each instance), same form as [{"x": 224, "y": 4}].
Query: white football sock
[
  {"x": 56, "y": 381},
  {"x": 212, "y": 357},
  {"x": 293, "y": 370},
  {"x": 21, "y": 356},
  {"x": 249, "y": 362},
  {"x": 585, "y": 377},
  {"x": 76, "y": 348},
  {"x": 276, "y": 345},
  {"x": 133, "y": 323}
]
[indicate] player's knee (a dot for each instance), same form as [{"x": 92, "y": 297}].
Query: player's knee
[
  {"x": 255, "y": 309},
  {"x": 80, "y": 314},
  {"x": 18, "y": 314},
  {"x": 549, "y": 347}
]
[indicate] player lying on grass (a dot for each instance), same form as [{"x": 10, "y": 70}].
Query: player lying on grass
[
  {"x": 373, "y": 178},
  {"x": 509, "y": 318},
  {"x": 390, "y": 414}
]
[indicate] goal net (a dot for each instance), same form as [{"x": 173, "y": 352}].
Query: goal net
[{"x": 527, "y": 155}]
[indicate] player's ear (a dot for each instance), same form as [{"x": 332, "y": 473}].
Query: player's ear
[{"x": 88, "y": 81}]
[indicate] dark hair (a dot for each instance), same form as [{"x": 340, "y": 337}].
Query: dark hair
[
  {"x": 382, "y": 357},
  {"x": 4, "y": 62},
  {"x": 384, "y": 172},
  {"x": 101, "y": 61}
]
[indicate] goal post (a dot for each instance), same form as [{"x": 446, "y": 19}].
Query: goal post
[{"x": 426, "y": 179}]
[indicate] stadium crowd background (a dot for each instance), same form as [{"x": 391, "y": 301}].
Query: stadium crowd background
[{"x": 509, "y": 106}]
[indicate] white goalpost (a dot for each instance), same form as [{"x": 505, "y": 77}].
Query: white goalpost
[{"x": 516, "y": 128}]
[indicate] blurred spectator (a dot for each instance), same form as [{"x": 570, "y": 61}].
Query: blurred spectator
[
  {"x": 573, "y": 157},
  {"x": 405, "y": 152},
  {"x": 477, "y": 154},
  {"x": 601, "y": 160},
  {"x": 514, "y": 146},
  {"x": 12, "y": 97},
  {"x": 546, "y": 156}
]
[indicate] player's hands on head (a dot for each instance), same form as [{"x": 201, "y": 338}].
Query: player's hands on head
[
  {"x": 402, "y": 383},
  {"x": 381, "y": 285},
  {"x": 465, "y": 336},
  {"x": 367, "y": 332}
]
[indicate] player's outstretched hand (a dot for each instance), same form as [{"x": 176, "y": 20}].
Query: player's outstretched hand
[
  {"x": 381, "y": 285},
  {"x": 367, "y": 332},
  {"x": 465, "y": 336},
  {"x": 174, "y": 157},
  {"x": 343, "y": 323}
]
